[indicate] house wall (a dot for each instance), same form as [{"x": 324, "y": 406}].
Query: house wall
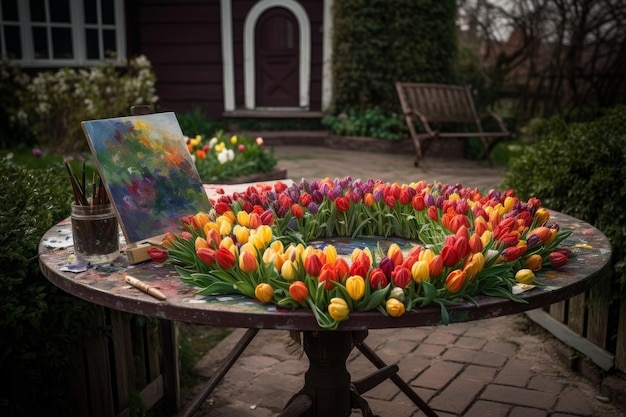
[{"x": 183, "y": 40}]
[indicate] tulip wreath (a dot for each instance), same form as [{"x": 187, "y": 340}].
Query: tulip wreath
[{"x": 463, "y": 243}]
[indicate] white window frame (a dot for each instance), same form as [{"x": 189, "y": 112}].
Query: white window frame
[{"x": 78, "y": 26}]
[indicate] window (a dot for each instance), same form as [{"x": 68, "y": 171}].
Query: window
[{"x": 62, "y": 32}]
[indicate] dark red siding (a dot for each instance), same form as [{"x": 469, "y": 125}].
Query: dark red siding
[{"x": 182, "y": 39}]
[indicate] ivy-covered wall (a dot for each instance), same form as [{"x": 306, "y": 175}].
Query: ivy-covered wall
[{"x": 379, "y": 42}]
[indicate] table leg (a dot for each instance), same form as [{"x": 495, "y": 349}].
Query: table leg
[
  {"x": 227, "y": 363},
  {"x": 400, "y": 383}
]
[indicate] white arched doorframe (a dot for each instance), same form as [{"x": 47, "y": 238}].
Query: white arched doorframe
[{"x": 305, "y": 48}]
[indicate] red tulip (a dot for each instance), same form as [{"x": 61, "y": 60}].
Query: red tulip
[
  {"x": 157, "y": 254},
  {"x": 225, "y": 258},
  {"x": 512, "y": 253},
  {"x": 449, "y": 256},
  {"x": 341, "y": 267},
  {"x": 297, "y": 211},
  {"x": 342, "y": 204},
  {"x": 327, "y": 275},
  {"x": 401, "y": 276},
  {"x": 377, "y": 279},
  {"x": 435, "y": 266},
  {"x": 206, "y": 255},
  {"x": 557, "y": 259},
  {"x": 313, "y": 265},
  {"x": 418, "y": 203}
]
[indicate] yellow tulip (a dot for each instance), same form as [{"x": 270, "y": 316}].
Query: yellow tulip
[
  {"x": 426, "y": 255},
  {"x": 338, "y": 309},
  {"x": 200, "y": 220},
  {"x": 525, "y": 276},
  {"x": 201, "y": 243},
  {"x": 233, "y": 139},
  {"x": 264, "y": 292},
  {"x": 331, "y": 254},
  {"x": 485, "y": 238},
  {"x": 542, "y": 215},
  {"x": 248, "y": 247},
  {"x": 419, "y": 271},
  {"x": 242, "y": 233},
  {"x": 355, "y": 285},
  {"x": 278, "y": 246},
  {"x": 243, "y": 218},
  {"x": 394, "y": 307},
  {"x": 288, "y": 270},
  {"x": 509, "y": 202}
]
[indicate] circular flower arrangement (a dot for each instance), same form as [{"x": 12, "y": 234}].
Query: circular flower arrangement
[{"x": 451, "y": 243}]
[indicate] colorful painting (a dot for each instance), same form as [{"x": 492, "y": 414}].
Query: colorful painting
[{"x": 148, "y": 172}]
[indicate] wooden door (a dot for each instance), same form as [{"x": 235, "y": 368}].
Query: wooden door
[{"x": 277, "y": 59}]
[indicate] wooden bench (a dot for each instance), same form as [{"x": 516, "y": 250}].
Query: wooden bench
[{"x": 442, "y": 104}]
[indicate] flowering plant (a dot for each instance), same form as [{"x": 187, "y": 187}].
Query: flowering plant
[
  {"x": 260, "y": 243},
  {"x": 223, "y": 158}
]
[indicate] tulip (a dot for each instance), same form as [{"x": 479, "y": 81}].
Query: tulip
[
  {"x": 474, "y": 265},
  {"x": 242, "y": 233},
  {"x": 450, "y": 256},
  {"x": 328, "y": 275},
  {"x": 341, "y": 267},
  {"x": 395, "y": 254},
  {"x": 394, "y": 307},
  {"x": 298, "y": 291},
  {"x": 255, "y": 220},
  {"x": 206, "y": 255},
  {"x": 525, "y": 276},
  {"x": 401, "y": 276},
  {"x": 355, "y": 285},
  {"x": 455, "y": 280},
  {"x": 433, "y": 214},
  {"x": 265, "y": 233},
  {"x": 342, "y": 204},
  {"x": 386, "y": 265},
  {"x": 420, "y": 271},
  {"x": 534, "y": 262},
  {"x": 543, "y": 233},
  {"x": 418, "y": 203},
  {"x": 542, "y": 215},
  {"x": 338, "y": 309},
  {"x": 313, "y": 265},
  {"x": 475, "y": 244},
  {"x": 264, "y": 292},
  {"x": 512, "y": 253},
  {"x": 243, "y": 218},
  {"x": 288, "y": 271},
  {"x": 331, "y": 254},
  {"x": 435, "y": 266},
  {"x": 248, "y": 262},
  {"x": 377, "y": 279},
  {"x": 200, "y": 220},
  {"x": 225, "y": 258},
  {"x": 297, "y": 211},
  {"x": 213, "y": 236},
  {"x": 157, "y": 254},
  {"x": 557, "y": 259},
  {"x": 398, "y": 294}
]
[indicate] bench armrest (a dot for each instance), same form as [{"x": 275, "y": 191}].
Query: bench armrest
[
  {"x": 496, "y": 117},
  {"x": 423, "y": 119}
]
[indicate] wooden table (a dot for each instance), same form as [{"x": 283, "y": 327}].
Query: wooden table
[{"x": 328, "y": 389}]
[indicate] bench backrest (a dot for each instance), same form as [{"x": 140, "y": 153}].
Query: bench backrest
[{"x": 438, "y": 102}]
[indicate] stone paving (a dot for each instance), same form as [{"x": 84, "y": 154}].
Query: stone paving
[{"x": 501, "y": 367}]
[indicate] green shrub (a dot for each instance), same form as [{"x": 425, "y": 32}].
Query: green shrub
[
  {"x": 196, "y": 122},
  {"x": 370, "y": 123},
  {"x": 580, "y": 169},
  {"x": 39, "y": 324},
  {"x": 406, "y": 40},
  {"x": 53, "y": 104}
]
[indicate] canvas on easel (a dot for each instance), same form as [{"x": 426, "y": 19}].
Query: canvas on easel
[{"x": 148, "y": 172}]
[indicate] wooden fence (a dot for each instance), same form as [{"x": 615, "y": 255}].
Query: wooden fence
[
  {"x": 587, "y": 323},
  {"x": 124, "y": 370}
]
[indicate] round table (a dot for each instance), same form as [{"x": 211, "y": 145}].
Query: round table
[{"x": 327, "y": 387}]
